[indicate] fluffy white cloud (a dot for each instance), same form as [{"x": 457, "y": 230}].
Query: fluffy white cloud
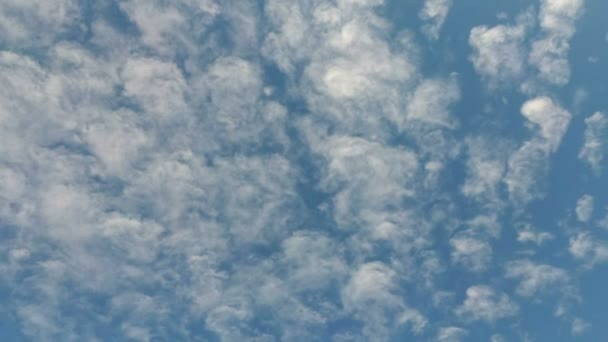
[
  {"x": 160, "y": 180},
  {"x": 550, "y": 118},
  {"x": 485, "y": 170},
  {"x": 529, "y": 163},
  {"x": 165, "y": 27},
  {"x": 31, "y": 23},
  {"x": 483, "y": 303},
  {"x": 375, "y": 284},
  {"x": 433, "y": 13},
  {"x": 588, "y": 250},
  {"x": 550, "y": 53},
  {"x": 372, "y": 177},
  {"x": 594, "y": 148},
  {"x": 530, "y": 235},
  {"x": 157, "y": 86},
  {"x": 536, "y": 277},
  {"x": 472, "y": 253},
  {"x": 430, "y": 102},
  {"x": 499, "y": 52},
  {"x": 584, "y": 208}
]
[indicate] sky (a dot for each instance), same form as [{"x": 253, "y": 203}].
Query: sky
[{"x": 303, "y": 170}]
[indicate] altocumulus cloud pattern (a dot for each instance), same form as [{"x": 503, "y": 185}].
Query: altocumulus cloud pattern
[{"x": 303, "y": 170}]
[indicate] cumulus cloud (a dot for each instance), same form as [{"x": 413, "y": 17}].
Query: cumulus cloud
[
  {"x": 549, "y": 54},
  {"x": 584, "y": 208},
  {"x": 472, "y": 253},
  {"x": 485, "y": 171},
  {"x": 431, "y": 100},
  {"x": 30, "y": 23},
  {"x": 434, "y": 13},
  {"x": 588, "y": 250},
  {"x": 548, "y": 122},
  {"x": 499, "y": 52},
  {"x": 483, "y": 303},
  {"x": 222, "y": 170},
  {"x": 374, "y": 283},
  {"x": 530, "y": 235},
  {"x": 536, "y": 277},
  {"x": 594, "y": 150}
]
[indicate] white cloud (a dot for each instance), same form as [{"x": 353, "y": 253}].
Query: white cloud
[
  {"x": 485, "y": 170},
  {"x": 483, "y": 303},
  {"x": 166, "y": 27},
  {"x": 32, "y": 23},
  {"x": 550, "y": 53},
  {"x": 372, "y": 177},
  {"x": 552, "y": 120},
  {"x": 499, "y": 52},
  {"x": 588, "y": 250},
  {"x": 580, "y": 327},
  {"x": 154, "y": 169},
  {"x": 535, "y": 278},
  {"x": 529, "y": 235},
  {"x": 472, "y": 253},
  {"x": 584, "y": 208},
  {"x": 434, "y": 13},
  {"x": 451, "y": 334},
  {"x": 375, "y": 284},
  {"x": 157, "y": 86},
  {"x": 594, "y": 149},
  {"x": 313, "y": 260},
  {"x": 529, "y": 163},
  {"x": 430, "y": 102},
  {"x": 603, "y": 223}
]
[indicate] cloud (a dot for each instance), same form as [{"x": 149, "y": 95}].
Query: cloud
[
  {"x": 483, "y": 303},
  {"x": 373, "y": 283},
  {"x": 433, "y": 13},
  {"x": 499, "y": 52},
  {"x": 313, "y": 260},
  {"x": 485, "y": 170},
  {"x": 549, "y": 53},
  {"x": 371, "y": 177},
  {"x": 30, "y": 23},
  {"x": 549, "y": 117},
  {"x": 230, "y": 171},
  {"x": 497, "y": 338},
  {"x": 472, "y": 253},
  {"x": 588, "y": 250},
  {"x": 526, "y": 166},
  {"x": 451, "y": 334},
  {"x": 529, "y": 235},
  {"x": 579, "y": 327},
  {"x": 158, "y": 87},
  {"x": 594, "y": 150},
  {"x": 431, "y": 100},
  {"x": 170, "y": 27},
  {"x": 535, "y": 278},
  {"x": 584, "y": 208}
]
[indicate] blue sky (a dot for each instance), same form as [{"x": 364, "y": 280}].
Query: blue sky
[{"x": 303, "y": 170}]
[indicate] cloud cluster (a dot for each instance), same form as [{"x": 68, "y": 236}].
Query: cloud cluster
[
  {"x": 221, "y": 170},
  {"x": 506, "y": 54}
]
